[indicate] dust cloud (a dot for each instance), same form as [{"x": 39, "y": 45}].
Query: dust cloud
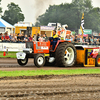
[{"x": 41, "y": 6}]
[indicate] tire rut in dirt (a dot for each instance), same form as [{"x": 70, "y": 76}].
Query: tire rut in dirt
[{"x": 72, "y": 88}]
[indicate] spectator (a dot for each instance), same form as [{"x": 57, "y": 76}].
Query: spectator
[
  {"x": 92, "y": 40},
  {"x": 95, "y": 40},
  {"x": 14, "y": 39},
  {"x": 41, "y": 39},
  {"x": 38, "y": 35},
  {"x": 6, "y": 38},
  {"x": 35, "y": 37},
  {"x": 81, "y": 39},
  {"x": 44, "y": 37},
  {"x": 25, "y": 38},
  {"x": 19, "y": 41},
  {"x": 2, "y": 37},
  {"x": 22, "y": 37},
  {"x": 30, "y": 38},
  {"x": 18, "y": 37},
  {"x": 72, "y": 38},
  {"x": 76, "y": 39},
  {"x": 10, "y": 36},
  {"x": 15, "y": 35},
  {"x": 87, "y": 40},
  {"x": 67, "y": 37}
]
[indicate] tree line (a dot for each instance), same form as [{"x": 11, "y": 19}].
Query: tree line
[{"x": 71, "y": 13}]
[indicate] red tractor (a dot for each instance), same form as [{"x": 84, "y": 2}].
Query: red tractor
[{"x": 54, "y": 51}]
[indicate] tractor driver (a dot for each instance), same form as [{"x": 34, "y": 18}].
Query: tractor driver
[
  {"x": 54, "y": 39},
  {"x": 54, "y": 34}
]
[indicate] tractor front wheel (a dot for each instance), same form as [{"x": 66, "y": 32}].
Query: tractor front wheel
[{"x": 39, "y": 60}]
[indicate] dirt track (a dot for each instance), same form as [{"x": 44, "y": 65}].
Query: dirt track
[
  {"x": 82, "y": 87},
  {"x": 9, "y": 64},
  {"x": 53, "y": 87}
]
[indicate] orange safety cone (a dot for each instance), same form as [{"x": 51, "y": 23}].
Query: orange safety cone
[{"x": 4, "y": 53}]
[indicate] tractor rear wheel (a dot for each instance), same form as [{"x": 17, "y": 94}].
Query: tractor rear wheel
[
  {"x": 39, "y": 60},
  {"x": 66, "y": 54}
]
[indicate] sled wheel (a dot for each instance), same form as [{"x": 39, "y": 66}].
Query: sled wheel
[{"x": 97, "y": 61}]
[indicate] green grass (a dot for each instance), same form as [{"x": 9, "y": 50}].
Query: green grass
[
  {"x": 9, "y": 55},
  {"x": 48, "y": 72}
]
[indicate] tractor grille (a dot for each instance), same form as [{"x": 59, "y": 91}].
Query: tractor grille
[{"x": 29, "y": 45}]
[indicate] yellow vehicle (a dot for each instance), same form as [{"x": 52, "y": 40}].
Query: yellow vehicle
[{"x": 88, "y": 56}]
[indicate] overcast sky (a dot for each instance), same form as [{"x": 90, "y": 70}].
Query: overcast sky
[{"x": 32, "y": 8}]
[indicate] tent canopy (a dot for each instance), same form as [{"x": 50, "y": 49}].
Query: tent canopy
[{"x": 3, "y": 23}]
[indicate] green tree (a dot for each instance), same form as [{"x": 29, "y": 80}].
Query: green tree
[
  {"x": 13, "y": 14},
  {"x": 92, "y": 19},
  {"x": 0, "y": 7}
]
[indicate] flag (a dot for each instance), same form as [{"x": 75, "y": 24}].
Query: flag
[{"x": 82, "y": 24}]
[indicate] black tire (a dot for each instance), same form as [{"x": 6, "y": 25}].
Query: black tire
[
  {"x": 64, "y": 52},
  {"x": 39, "y": 60},
  {"x": 97, "y": 63},
  {"x": 22, "y": 62},
  {"x": 50, "y": 63}
]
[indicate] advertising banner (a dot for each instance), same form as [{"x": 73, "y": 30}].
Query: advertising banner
[
  {"x": 12, "y": 46},
  {"x": 50, "y": 28},
  {"x": 1, "y": 46},
  {"x": 86, "y": 31}
]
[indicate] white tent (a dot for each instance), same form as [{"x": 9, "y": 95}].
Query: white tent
[{"x": 5, "y": 26}]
